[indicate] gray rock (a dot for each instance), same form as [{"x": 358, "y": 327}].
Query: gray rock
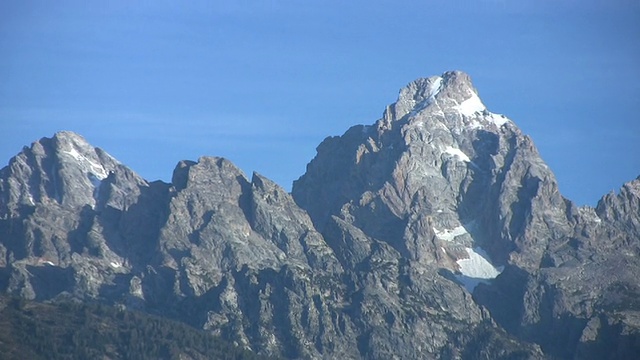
[{"x": 437, "y": 232}]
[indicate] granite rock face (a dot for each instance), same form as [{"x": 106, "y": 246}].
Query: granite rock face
[
  {"x": 438, "y": 172},
  {"x": 436, "y": 232},
  {"x": 583, "y": 300}
]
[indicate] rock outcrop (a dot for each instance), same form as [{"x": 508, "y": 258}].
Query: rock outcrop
[{"x": 436, "y": 232}]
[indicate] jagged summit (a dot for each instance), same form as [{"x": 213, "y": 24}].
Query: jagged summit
[
  {"x": 455, "y": 84},
  {"x": 450, "y": 96},
  {"x": 94, "y": 161},
  {"x": 65, "y": 169},
  {"x": 68, "y": 135}
]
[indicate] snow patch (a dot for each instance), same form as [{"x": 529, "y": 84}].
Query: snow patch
[
  {"x": 97, "y": 183},
  {"x": 498, "y": 119},
  {"x": 457, "y": 153},
  {"x": 474, "y": 124},
  {"x": 486, "y": 117},
  {"x": 115, "y": 265},
  {"x": 89, "y": 165},
  {"x": 470, "y": 106},
  {"x": 450, "y": 234},
  {"x": 476, "y": 269},
  {"x": 435, "y": 87},
  {"x": 50, "y": 263}
]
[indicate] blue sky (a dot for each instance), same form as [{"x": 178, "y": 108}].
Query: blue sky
[{"x": 264, "y": 82}]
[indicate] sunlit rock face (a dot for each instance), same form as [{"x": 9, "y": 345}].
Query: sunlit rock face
[
  {"x": 453, "y": 186},
  {"x": 438, "y": 174},
  {"x": 435, "y": 232}
]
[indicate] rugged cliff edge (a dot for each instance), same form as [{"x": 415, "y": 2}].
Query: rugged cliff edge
[{"x": 436, "y": 232}]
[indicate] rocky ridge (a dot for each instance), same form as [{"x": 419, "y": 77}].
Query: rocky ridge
[{"x": 436, "y": 232}]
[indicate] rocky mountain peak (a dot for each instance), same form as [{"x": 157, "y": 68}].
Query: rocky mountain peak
[
  {"x": 438, "y": 173},
  {"x": 450, "y": 84},
  {"x": 623, "y": 209},
  {"x": 64, "y": 169},
  {"x": 209, "y": 171},
  {"x": 75, "y": 148},
  {"x": 451, "y": 92}
]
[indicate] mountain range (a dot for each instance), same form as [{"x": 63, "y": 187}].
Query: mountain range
[{"x": 436, "y": 232}]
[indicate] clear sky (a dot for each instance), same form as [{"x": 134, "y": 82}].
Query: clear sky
[{"x": 264, "y": 82}]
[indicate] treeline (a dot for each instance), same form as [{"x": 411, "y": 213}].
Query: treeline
[{"x": 31, "y": 330}]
